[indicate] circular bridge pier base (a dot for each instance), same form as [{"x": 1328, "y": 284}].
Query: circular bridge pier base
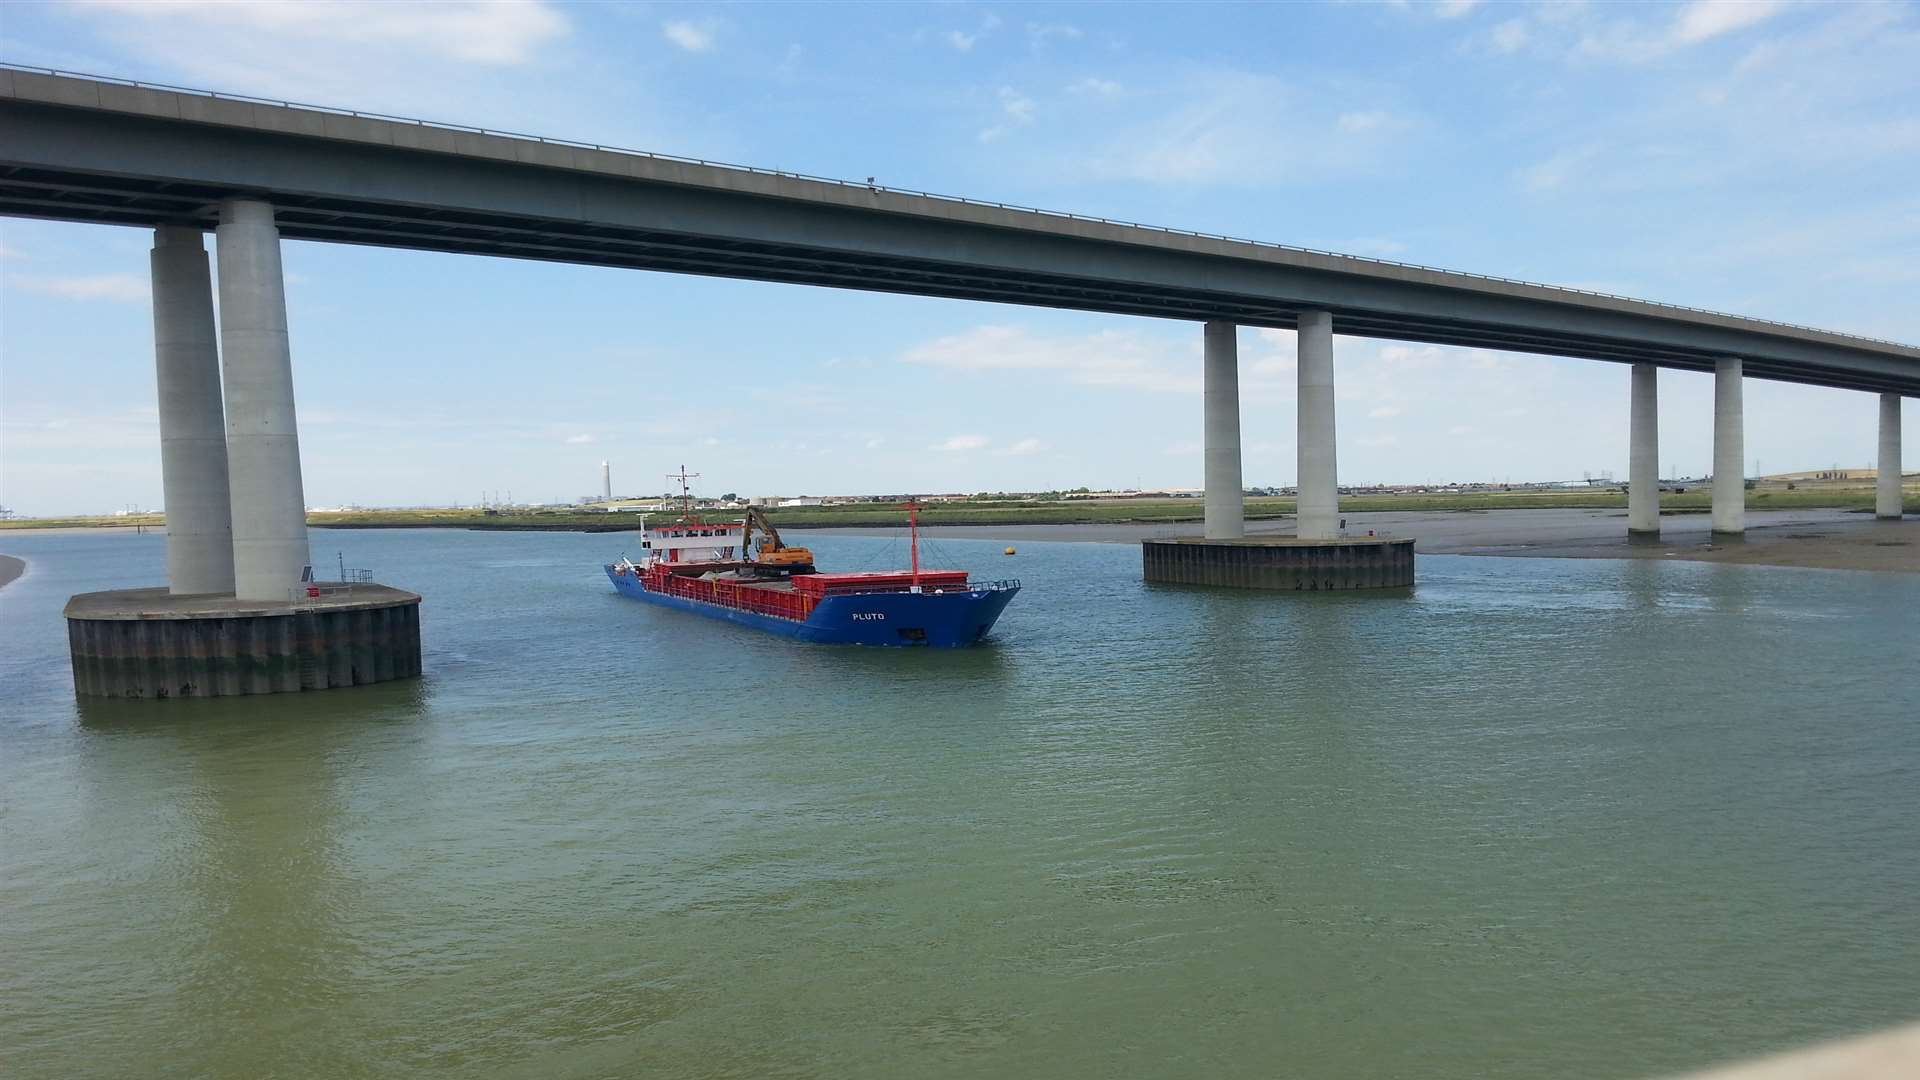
[
  {"x": 1281, "y": 564},
  {"x": 148, "y": 643}
]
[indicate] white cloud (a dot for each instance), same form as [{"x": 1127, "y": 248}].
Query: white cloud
[
  {"x": 1384, "y": 412},
  {"x": 962, "y": 443},
  {"x": 116, "y": 288},
  {"x": 1092, "y": 87},
  {"x": 689, "y": 35},
  {"x": 1454, "y": 9},
  {"x": 1211, "y": 127},
  {"x": 1362, "y": 121},
  {"x": 1016, "y": 110},
  {"x": 1510, "y": 36},
  {"x": 1822, "y": 105},
  {"x": 1017, "y": 106},
  {"x": 1705, "y": 19},
  {"x": 579, "y": 440},
  {"x": 1040, "y": 33},
  {"x": 1108, "y": 358},
  {"x": 471, "y": 61},
  {"x": 1702, "y": 20},
  {"x": 961, "y": 40},
  {"x": 1593, "y": 32},
  {"x": 1553, "y": 173},
  {"x": 790, "y": 62},
  {"x": 1023, "y": 448},
  {"x": 501, "y": 32}
]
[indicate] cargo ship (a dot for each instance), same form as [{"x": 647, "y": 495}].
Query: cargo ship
[{"x": 718, "y": 570}]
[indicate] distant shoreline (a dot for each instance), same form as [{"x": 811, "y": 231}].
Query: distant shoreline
[
  {"x": 1803, "y": 539},
  {"x": 10, "y": 569},
  {"x": 1815, "y": 538},
  {"x": 987, "y": 512}
]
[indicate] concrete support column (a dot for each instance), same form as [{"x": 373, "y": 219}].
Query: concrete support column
[
  {"x": 1226, "y": 510},
  {"x": 263, "y": 446},
  {"x": 193, "y": 431},
  {"x": 1889, "y": 501},
  {"x": 1643, "y": 452},
  {"x": 1729, "y": 450},
  {"x": 1319, "y": 503}
]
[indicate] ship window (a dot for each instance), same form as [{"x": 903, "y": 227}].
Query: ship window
[{"x": 912, "y": 633}]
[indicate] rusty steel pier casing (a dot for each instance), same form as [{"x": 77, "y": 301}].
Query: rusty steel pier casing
[
  {"x": 146, "y": 643},
  {"x": 1280, "y": 563}
]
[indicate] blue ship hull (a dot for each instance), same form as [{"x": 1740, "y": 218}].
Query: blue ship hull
[{"x": 891, "y": 619}]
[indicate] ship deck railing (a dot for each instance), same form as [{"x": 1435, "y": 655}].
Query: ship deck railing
[
  {"x": 906, "y": 586},
  {"x": 741, "y": 595}
]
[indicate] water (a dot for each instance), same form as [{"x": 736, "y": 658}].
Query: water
[{"x": 1542, "y": 817}]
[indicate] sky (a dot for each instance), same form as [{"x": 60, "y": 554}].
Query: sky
[{"x": 1757, "y": 158}]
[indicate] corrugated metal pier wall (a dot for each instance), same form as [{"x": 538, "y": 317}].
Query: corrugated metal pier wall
[
  {"x": 1281, "y": 564},
  {"x": 219, "y": 656}
]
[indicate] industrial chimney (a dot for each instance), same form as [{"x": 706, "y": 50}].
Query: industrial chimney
[{"x": 606, "y": 480}]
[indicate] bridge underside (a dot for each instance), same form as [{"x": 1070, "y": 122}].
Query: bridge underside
[{"x": 101, "y": 167}]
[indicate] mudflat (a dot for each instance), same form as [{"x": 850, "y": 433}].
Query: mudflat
[{"x": 1819, "y": 539}]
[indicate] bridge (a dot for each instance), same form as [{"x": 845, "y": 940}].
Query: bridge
[{"x": 184, "y": 162}]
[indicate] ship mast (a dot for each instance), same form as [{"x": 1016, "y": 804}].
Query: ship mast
[
  {"x": 913, "y": 532},
  {"x": 686, "y": 492}
]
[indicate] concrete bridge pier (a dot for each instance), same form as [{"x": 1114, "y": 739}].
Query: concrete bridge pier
[
  {"x": 238, "y": 615},
  {"x": 1319, "y": 514},
  {"x": 1226, "y": 517},
  {"x": 263, "y": 445},
  {"x": 193, "y": 429},
  {"x": 1729, "y": 450},
  {"x": 1643, "y": 453},
  {"x": 1316, "y": 558},
  {"x": 1889, "y": 501}
]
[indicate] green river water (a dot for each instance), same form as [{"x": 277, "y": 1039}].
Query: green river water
[{"x": 1534, "y": 818}]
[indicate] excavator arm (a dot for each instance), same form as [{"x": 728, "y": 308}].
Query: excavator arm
[
  {"x": 773, "y": 552},
  {"x": 770, "y": 536}
]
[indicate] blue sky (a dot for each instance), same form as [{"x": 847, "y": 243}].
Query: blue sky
[{"x": 1758, "y": 158}]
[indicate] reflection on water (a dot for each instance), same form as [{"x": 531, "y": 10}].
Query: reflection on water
[{"x": 1531, "y": 817}]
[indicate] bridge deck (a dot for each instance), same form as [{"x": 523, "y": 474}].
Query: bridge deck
[{"x": 85, "y": 149}]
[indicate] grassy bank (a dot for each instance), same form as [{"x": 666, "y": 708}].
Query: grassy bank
[
  {"x": 115, "y": 521},
  {"x": 983, "y": 512},
  {"x": 1118, "y": 512}
]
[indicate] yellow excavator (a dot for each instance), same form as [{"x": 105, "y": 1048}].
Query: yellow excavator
[{"x": 773, "y": 555}]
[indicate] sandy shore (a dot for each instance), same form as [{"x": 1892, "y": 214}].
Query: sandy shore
[
  {"x": 10, "y": 568},
  {"x": 1822, "y": 539}
]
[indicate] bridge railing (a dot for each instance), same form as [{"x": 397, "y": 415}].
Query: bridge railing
[{"x": 876, "y": 188}]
